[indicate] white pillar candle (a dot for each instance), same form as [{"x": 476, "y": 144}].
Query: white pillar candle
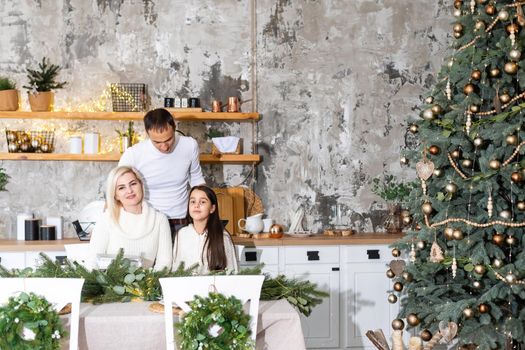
[
  {"x": 91, "y": 143},
  {"x": 20, "y": 225},
  {"x": 75, "y": 145},
  {"x": 58, "y": 222}
]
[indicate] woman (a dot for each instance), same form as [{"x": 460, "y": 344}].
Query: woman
[
  {"x": 130, "y": 223},
  {"x": 204, "y": 241}
]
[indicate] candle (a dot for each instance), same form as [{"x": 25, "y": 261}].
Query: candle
[
  {"x": 58, "y": 222},
  {"x": 91, "y": 143},
  {"x": 75, "y": 145},
  {"x": 32, "y": 229},
  {"x": 47, "y": 233}
]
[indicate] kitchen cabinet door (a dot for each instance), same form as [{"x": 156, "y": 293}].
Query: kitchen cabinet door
[
  {"x": 253, "y": 256},
  {"x": 321, "y": 328},
  {"x": 365, "y": 291},
  {"x": 12, "y": 260}
]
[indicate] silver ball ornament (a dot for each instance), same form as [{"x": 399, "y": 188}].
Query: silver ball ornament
[
  {"x": 510, "y": 278},
  {"x": 497, "y": 263},
  {"x": 478, "y": 141},
  {"x": 421, "y": 245},
  {"x": 505, "y": 214}
]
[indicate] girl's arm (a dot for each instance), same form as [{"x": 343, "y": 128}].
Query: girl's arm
[
  {"x": 231, "y": 257},
  {"x": 164, "y": 251}
]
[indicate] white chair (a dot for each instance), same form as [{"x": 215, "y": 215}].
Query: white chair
[
  {"x": 58, "y": 291},
  {"x": 78, "y": 252},
  {"x": 181, "y": 290}
]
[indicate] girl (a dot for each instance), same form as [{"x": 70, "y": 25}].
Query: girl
[
  {"x": 130, "y": 223},
  {"x": 204, "y": 240}
]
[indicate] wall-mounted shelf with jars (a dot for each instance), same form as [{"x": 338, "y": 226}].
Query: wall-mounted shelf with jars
[{"x": 127, "y": 116}]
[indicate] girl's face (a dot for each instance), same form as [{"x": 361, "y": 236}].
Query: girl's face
[
  {"x": 128, "y": 190},
  {"x": 200, "y": 206}
]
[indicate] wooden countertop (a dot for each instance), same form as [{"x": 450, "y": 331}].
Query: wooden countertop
[{"x": 7, "y": 245}]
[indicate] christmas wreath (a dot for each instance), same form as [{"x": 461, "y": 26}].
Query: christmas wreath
[
  {"x": 29, "y": 322},
  {"x": 216, "y": 323}
]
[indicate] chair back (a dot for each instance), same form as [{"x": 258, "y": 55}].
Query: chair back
[
  {"x": 181, "y": 290},
  {"x": 58, "y": 291},
  {"x": 78, "y": 252}
]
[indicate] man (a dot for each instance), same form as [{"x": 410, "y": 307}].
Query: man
[{"x": 168, "y": 164}]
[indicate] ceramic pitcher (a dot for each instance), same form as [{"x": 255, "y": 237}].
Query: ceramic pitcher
[{"x": 252, "y": 224}]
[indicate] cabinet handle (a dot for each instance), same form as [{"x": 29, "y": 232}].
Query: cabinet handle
[
  {"x": 312, "y": 255},
  {"x": 373, "y": 254},
  {"x": 335, "y": 269},
  {"x": 250, "y": 256},
  {"x": 61, "y": 259}
]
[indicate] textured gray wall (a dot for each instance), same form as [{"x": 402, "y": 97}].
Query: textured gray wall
[{"x": 335, "y": 81}]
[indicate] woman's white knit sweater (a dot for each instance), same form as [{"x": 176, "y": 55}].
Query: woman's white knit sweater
[
  {"x": 146, "y": 235},
  {"x": 189, "y": 246}
]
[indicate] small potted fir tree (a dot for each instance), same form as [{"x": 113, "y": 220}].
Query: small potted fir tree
[
  {"x": 8, "y": 95},
  {"x": 41, "y": 84}
]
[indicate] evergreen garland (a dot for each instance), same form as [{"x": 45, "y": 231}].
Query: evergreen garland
[
  {"x": 216, "y": 323},
  {"x": 29, "y": 322}
]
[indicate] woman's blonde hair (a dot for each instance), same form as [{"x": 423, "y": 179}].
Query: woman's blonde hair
[{"x": 113, "y": 206}]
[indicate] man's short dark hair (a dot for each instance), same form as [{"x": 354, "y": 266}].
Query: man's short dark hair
[{"x": 158, "y": 119}]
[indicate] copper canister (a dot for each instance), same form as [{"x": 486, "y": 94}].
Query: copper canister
[
  {"x": 216, "y": 106},
  {"x": 233, "y": 104}
]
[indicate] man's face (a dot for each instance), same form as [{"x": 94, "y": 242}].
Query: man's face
[{"x": 163, "y": 140}]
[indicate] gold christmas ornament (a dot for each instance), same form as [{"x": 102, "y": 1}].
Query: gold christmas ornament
[
  {"x": 511, "y": 240},
  {"x": 478, "y": 141},
  {"x": 457, "y": 13},
  {"x": 503, "y": 15},
  {"x": 468, "y": 313},
  {"x": 515, "y": 54},
  {"x": 451, "y": 187},
  {"x": 516, "y": 176},
  {"x": 428, "y": 114},
  {"x": 480, "y": 25},
  {"x": 425, "y": 335},
  {"x": 466, "y": 163},
  {"x": 476, "y": 74},
  {"x": 520, "y": 205},
  {"x": 455, "y": 154},
  {"x": 505, "y": 214},
  {"x": 403, "y": 160},
  {"x": 413, "y": 320},
  {"x": 474, "y": 108},
  {"x": 449, "y": 233},
  {"x": 457, "y": 4},
  {"x": 434, "y": 150},
  {"x": 497, "y": 263},
  {"x": 504, "y": 97},
  {"x": 436, "y": 109},
  {"x": 494, "y": 164},
  {"x": 396, "y": 252},
  {"x": 477, "y": 285},
  {"x": 398, "y": 324},
  {"x": 438, "y": 172},
  {"x": 468, "y": 89},
  {"x": 457, "y": 234},
  {"x": 510, "y": 67},
  {"x": 490, "y": 9},
  {"x": 45, "y": 148},
  {"x": 421, "y": 245},
  {"x": 480, "y": 269},
  {"x": 408, "y": 276},
  {"x": 510, "y": 278},
  {"x": 390, "y": 273},
  {"x": 429, "y": 99},
  {"x": 498, "y": 238},
  {"x": 398, "y": 286},
  {"x": 457, "y": 28},
  {"x": 392, "y": 298},
  {"x": 413, "y": 128},
  {"x": 511, "y": 140},
  {"x": 427, "y": 208},
  {"x": 483, "y": 308},
  {"x": 494, "y": 72}
]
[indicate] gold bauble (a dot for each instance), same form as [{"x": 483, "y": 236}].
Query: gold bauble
[
  {"x": 480, "y": 25},
  {"x": 438, "y": 172},
  {"x": 457, "y": 4},
  {"x": 429, "y": 99},
  {"x": 457, "y": 234},
  {"x": 421, "y": 245},
  {"x": 455, "y": 154},
  {"x": 520, "y": 205},
  {"x": 480, "y": 269},
  {"x": 515, "y": 54},
  {"x": 396, "y": 252},
  {"x": 413, "y": 128},
  {"x": 497, "y": 263},
  {"x": 403, "y": 160},
  {"x": 413, "y": 320},
  {"x": 468, "y": 89},
  {"x": 407, "y": 276},
  {"x": 512, "y": 28},
  {"x": 494, "y": 164},
  {"x": 494, "y": 72},
  {"x": 427, "y": 208},
  {"x": 483, "y": 308},
  {"x": 457, "y": 28},
  {"x": 451, "y": 187},
  {"x": 434, "y": 150},
  {"x": 428, "y": 114},
  {"x": 425, "y": 335},
  {"x": 398, "y": 286},
  {"x": 503, "y": 15},
  {"x": 504, "y": 98},
  {"x": 466, "y": 163},
  {"x": 390, "y": 273},
  {"x": 468, "y": 313},
  {"x": 476, "y": 74},
  {"x": 498, "y": 238},
  {"x": 398, "y": 324},
  {"x": 510, "y": 278},
  {"x": 510, "y": 67},
  {"x": 474, "y": 108},
  {"x": 516, "y": 176},
  {"x": 511, "y": 240},
  {"x": 45, "y": 148},
  {"x": 511, "y": 140},
  {"x": 477, "y": 285},
  {"x": 449, "y": 233},
  {"x": 478, "y": 141},
  {"x": 405, "y": 213},
  {"x": 436, "y": 109},
  {"x": 457, "y": 13},
  {"x": 407, "y": 220},
  {"x": 392, "y": 298},
  {"x": 505, "y": 214},
  {"x": 490, "y": 10}
]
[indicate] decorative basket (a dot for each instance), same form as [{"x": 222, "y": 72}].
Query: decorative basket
[
  {"x": 129, "y": 97},
  {"x": 30, "y": 141},
  {"x": 228, "y": 145}
]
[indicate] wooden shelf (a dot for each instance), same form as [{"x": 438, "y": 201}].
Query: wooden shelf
[
  {"x": 180, "y": 116},
  {"x": 114, "y": 157}
]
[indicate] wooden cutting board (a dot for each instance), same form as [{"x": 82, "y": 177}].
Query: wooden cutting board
[{"x": 231, "y": 206}]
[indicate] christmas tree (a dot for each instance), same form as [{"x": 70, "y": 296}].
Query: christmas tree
[{"x": 465, "y": 275}]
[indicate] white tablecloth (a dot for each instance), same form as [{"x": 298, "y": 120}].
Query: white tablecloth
[{"x": 130, "y": 326}]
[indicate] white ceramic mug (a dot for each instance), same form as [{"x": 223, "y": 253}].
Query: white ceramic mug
[
  {"x": 252, "y": 224},
  {"x": 267, "y": 223}
]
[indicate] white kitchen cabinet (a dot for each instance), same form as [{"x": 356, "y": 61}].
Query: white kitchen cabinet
[
  {"x": 12, "y": 260},
  {"x": 253, "y": 256},
  {"x": 319, "y": 265},
  {"x": 365, "y": 290},
  {"x": 33, "y": 259}
]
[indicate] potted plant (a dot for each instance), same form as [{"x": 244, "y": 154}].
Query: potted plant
[
  {"x": 8, "y": 95},
  {"x": 127, "y": 137},
  {"x": 394, "y": 193},
  {"x": 223, "y": 144},
  {"x": 41, "y": 84}
]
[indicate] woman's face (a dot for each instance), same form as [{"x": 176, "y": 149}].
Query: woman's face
[
  {"x": 128, "y": 190},
  {"x": 200, "y": 206}
]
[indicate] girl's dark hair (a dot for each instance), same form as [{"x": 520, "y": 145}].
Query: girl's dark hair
[
  {"x": 215, "y": 252},
  {"x": 158, "y": 119}
]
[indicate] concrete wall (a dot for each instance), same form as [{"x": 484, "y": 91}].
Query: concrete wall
[{"x": 334, "y": 80}]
